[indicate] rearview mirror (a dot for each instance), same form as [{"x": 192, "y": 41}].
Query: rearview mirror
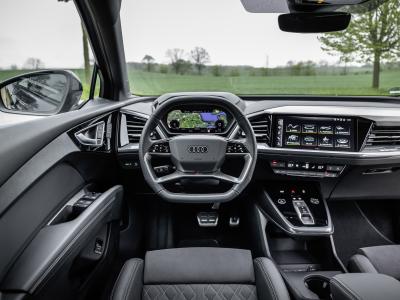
[
  {"x": 42, "y": 93},
  {"x": 314, "y": 22}
]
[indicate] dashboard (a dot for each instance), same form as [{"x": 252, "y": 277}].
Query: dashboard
[{"x": 355, "y": 139}]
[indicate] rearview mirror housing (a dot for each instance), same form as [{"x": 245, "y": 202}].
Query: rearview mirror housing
[
  {"x": 47, "y": 92},
  {"x": 314, "y": 22}
]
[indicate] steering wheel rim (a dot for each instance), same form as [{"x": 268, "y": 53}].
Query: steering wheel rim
[{"x": 225, "y": 100}]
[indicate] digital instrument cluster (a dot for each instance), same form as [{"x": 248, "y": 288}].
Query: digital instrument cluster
[
  {"x": 194, "y": 120},
  {"x": 324, "y": 133}
]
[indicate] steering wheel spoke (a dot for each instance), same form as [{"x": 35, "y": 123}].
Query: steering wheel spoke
[
  {"x": 169, "y": 178},
  {"x": 177, "y": 175}
]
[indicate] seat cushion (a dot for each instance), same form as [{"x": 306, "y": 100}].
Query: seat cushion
[{"x": 379, "y": 259}]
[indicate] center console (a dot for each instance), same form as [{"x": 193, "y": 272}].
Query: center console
[
  {"x": 297, "y": 208},
  {"x": 298, "y": 237}
]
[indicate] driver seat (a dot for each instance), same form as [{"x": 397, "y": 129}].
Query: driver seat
[{"x": 199, "y": 274}]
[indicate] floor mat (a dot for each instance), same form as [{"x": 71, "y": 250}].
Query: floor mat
[{"x": 353, "y": 230}]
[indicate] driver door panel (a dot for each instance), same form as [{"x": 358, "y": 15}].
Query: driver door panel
[{"x": 43, "y": 255}]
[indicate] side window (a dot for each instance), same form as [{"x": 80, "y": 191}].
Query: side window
[{"x": 43, "y": 35}]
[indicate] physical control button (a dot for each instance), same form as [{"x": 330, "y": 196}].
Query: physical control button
[
  {"x": 334, "y": 168},
  {"x": 160, "y": 148},
  {"x": 278, "y": 164},
  {"x": 233, "y": 147},
  {"x": 281, "y": 201}
]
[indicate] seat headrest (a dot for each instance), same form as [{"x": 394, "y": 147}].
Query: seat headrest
[{"x": 198, "y": 265}]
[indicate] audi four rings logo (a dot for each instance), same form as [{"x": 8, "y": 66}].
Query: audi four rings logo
[{"x": 197, "y": 149}]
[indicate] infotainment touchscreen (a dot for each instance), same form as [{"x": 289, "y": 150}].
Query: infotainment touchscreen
[{"x": 335, "y": 134}]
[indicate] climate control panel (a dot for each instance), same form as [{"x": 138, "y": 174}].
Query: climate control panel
[{"x": 306, "y": 169}]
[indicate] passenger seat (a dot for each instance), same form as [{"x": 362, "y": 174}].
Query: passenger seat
[{"x": 379, "y": 259}]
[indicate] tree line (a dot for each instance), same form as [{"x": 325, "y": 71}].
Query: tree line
[
  {"x": 180, "y": 62},
  {"x": 179, "y": 65}
]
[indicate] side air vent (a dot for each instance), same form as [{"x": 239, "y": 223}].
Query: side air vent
[
  {"x": 262, "y": 127},
  {"x": 381, "y": 136},
  {"x": 135, "y": 126}
]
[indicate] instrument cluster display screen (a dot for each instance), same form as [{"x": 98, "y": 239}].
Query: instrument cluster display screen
[
  {"x": 207, "y": 121},
  {"x": 335, "y": 134}
]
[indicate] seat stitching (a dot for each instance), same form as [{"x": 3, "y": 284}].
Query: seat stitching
[
  {"x": 235, "y": 291},
  {"x": 249, "y": 289},
  {"x": 181, "y": 290},
  {"x": 164, "y": 290},
  {"x": 269, "y": 281}
]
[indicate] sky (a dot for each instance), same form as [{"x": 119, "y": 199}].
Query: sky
[{"x": 51, "y": 31}]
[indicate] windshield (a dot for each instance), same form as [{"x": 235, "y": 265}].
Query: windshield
[{"x": 208, "y": 45}]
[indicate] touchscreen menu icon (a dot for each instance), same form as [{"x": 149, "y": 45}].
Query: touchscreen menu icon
[
  {"x": 295, "y": 128},
  {"x": 325, "y": 129},
  {"x": 309, "y": 140},
  {"x": 342, "y": 142},
  {"x": 293, "y": 140},
  {"x": 309, "y": 128},
  {"x": 342, "y": 130},
  {"x": 325, "y": 141}
]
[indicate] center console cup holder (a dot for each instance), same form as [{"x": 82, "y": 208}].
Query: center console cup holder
[{"x": 319, "y": 285}]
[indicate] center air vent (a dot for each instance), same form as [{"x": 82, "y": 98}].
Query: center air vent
[
  {"x": 135, "y": 126},
  {"x": 262, "y": 127},
  {"x": 381, "y": 136}
]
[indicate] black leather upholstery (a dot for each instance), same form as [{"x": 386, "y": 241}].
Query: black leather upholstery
[
  {"x": 200, "y": 274},
  {"x": 379, "y": 259},
  {"x": 364, "y": 287}
]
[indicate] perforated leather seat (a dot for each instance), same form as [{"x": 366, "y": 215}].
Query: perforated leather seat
[{"x": 199, "y": 274}]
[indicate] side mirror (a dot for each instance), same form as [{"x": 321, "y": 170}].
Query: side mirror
[{"x": 46, "y": 92}]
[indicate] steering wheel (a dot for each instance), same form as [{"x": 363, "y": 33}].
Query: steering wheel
[{"x": 198, "y": 156}]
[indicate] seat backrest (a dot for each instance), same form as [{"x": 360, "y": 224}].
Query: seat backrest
[{"x": 201, "y": 274}]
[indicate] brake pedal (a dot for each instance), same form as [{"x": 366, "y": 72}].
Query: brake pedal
[{"x": 207, "y": 219}]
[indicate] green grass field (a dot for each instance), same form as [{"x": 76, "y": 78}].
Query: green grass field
[
  {"x": 360, "y": 84},
  {"x": 144, "y": 83}
]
